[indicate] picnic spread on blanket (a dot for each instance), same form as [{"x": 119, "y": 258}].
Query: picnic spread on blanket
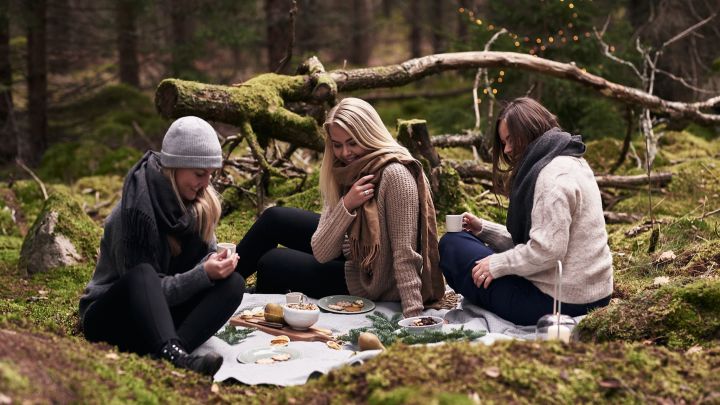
[{"x": 257, "y": 350}]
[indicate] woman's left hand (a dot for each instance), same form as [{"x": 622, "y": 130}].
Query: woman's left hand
[{"x": 481, "y": 273}]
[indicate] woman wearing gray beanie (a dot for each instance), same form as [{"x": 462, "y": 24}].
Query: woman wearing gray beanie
[{"x": 159, "y": 288}]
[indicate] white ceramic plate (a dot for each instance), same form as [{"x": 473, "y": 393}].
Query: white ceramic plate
[
  {"x": 334, "y": 299},
  {"x": 253, "y": 355}
]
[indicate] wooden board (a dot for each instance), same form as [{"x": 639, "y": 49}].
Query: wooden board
[{"x": 309, "y": 335}]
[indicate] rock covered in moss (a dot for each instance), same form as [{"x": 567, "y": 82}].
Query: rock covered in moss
[
  {"x": 676, "y": 316},
  {"x": 62, "y": 235}
]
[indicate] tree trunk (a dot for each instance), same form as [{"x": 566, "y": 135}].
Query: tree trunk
[
  {"x": 307, "y": 26},
  {"x": 362, "y": 40},
  {"x": 125, "y": 19},
  {"x": 182, "y": 52},
  {"x": 8, "y": 146},
  {"x": 60, "y": 35},
  {"x": 437, "y": 25},
  {"x": 415, "y": 37},
  {"x": 462, "y": 21},
  {"x": 32, "y": 145},
  {"x": 276, "y": 18}
]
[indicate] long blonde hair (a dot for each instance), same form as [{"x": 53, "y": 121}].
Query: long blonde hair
[
  {"x": 359, "y": 119},
  {"x": 207, "y": 207}
]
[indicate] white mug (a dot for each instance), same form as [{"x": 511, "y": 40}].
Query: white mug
[
  {"x": 294, "y": 298},
  {"x": 221, "y": 247},
  {"x": 453, "y": 223}
]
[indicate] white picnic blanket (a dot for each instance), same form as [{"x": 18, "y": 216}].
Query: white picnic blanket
[{"x": 316, "y": 358}]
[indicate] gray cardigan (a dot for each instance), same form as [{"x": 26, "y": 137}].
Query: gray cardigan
[{"x": 109, "y": 268}]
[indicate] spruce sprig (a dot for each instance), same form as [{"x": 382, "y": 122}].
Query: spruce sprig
[
  {"x": 233, "y": 335},
  {"x": 389, "y": 332}
]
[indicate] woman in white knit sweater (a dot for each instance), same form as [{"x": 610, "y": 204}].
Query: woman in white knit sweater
[
  {"x": 376, "y": 236},
  {"x": 555, "y": 213}
]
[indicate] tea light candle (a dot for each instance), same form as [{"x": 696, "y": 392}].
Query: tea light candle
[{"x": 558, "y": 332}]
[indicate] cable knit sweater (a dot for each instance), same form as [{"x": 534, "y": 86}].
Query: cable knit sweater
[
  {"x": 395, "y": 274},
  {"x": 567, "y": 225}
]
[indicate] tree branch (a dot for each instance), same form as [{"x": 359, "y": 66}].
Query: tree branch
[{"x": 416, "y": 69}]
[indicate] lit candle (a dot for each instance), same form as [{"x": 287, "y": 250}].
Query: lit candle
[{"x": 558, "y": 332}]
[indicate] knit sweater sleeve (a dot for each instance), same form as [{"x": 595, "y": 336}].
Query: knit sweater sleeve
[
  {"x": 496, "y": 235},
  {"x": 400, "y": 195},
  {"x": 555, "y": 199},
  {"x": 328, "y": 239},
  {"x": 180, "y": 287}
]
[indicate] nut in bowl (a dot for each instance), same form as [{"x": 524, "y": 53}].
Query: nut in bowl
[
  {"x": 420, "y": 324},
  {"x": 301, "y": 316}
]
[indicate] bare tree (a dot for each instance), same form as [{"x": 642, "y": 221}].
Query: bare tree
[
  {"x": 362, "y": 40},
  {"x": 436, "y": 21},
  {"x": 126, "y": 17},
  {"x": 415, "y": 37},
  {"x": 8, "y": 145},
  {"x": 126, "y": 13},
  {"x": 276, "y": 18},
  {"x": 32, "y": 145}
]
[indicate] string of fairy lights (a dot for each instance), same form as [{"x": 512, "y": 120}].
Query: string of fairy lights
[{"x": 536, "y": 45}]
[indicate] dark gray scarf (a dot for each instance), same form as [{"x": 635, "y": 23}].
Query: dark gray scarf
[
  {"x": 539, "y": 153},
  {"x": 149, "y": 212}
]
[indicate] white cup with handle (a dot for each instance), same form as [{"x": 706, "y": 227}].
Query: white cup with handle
[
  {"x": 453, "y": 223},
  {"x": 221, "y": 247}
]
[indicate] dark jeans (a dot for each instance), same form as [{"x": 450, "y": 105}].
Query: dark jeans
[
  {"x": 294, "y": 267},
  {"x": 513, "y": 298},
  {"x": 134, "y": 315}
]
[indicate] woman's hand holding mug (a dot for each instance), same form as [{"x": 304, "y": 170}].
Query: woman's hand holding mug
[
  {"x": 471, "y": 223},
  {"x": 359, "y": 193},
  {"x": 220, "y": 265}
]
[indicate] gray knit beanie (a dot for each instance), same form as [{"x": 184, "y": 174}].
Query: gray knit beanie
[{"x": 191, "y": 143}]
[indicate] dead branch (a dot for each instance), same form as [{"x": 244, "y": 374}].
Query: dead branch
[
  {"x": 34, "y": 176},
  {"x": 416, "y": 69},
  {"x": 454, "y": 140},
  {"x": 619, "y": 217},
  {"x": 291, "y": 44}
]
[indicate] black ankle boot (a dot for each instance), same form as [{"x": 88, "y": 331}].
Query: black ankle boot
[{"x": 207, "y": 364}]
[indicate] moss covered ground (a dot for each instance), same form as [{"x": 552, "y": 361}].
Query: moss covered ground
[{"x": 656, "y": 342}]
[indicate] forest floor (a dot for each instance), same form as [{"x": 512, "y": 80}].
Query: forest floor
[{"x": 656, "y": 342}]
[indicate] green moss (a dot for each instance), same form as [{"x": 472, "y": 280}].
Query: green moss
[
  {"x": 417, "y": 395},
  {"x": 30, "y": 197},
  {"x": 449, "y": 197},
  {"x": 69, "y": 161},
  {"x": 99, "y": 191},
  {"x": 11, "y": 380},
  {"x": 518, "y": 372},
  {"x": 309, "y": 200},
  {"x": 234, "y": 226},
  {"x": 72, "y": 223},
  {"x": 7, "y": 224},
  {"x": 678, "y": 316}
]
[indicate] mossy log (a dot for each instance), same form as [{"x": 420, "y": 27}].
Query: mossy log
[
  {"x": 259, "y": 101},
  {"x": 676, "y": 316}
]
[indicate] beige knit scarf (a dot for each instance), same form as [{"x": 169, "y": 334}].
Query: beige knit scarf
[{"x": 364, "y": 233}]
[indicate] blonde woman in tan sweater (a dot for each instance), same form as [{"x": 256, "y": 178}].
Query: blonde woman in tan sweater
[{"x": 376, "y": 236}]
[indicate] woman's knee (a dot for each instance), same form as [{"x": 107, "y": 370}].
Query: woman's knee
[
  {"x": 273, "y": 216},
  {"x": 233, "y": 287}
]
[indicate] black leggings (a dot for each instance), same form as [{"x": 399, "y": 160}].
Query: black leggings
[
  {"x": 294, "y": 267},
  {"x": 134, "y": 315}
]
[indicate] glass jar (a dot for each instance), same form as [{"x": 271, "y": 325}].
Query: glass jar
[{"x": 555, "y": 327}]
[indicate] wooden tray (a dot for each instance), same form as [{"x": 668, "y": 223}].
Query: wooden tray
[{"x": 310, "y": 335}]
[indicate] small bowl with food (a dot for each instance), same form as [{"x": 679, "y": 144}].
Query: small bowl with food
[
  {"x": 420, "y": 324},
  {"x": 301, "y": 316}
]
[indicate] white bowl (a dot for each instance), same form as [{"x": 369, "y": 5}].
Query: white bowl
[
  {"x": 300, "y": 319},
  {"x": 407, "y": 324}
]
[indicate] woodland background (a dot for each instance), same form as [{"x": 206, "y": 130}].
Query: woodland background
[{"x": 77, "y": 109}]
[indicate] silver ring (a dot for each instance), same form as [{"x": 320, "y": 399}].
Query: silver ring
[{"x": 366, "y": 192}]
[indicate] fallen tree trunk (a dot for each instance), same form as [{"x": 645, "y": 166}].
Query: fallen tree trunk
[
  {"x": 416, "y": 69},
  {"x": 262, "y": 100},
  {"x": 455, "y": 140},
  {"x": 471, "y": 169}
]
